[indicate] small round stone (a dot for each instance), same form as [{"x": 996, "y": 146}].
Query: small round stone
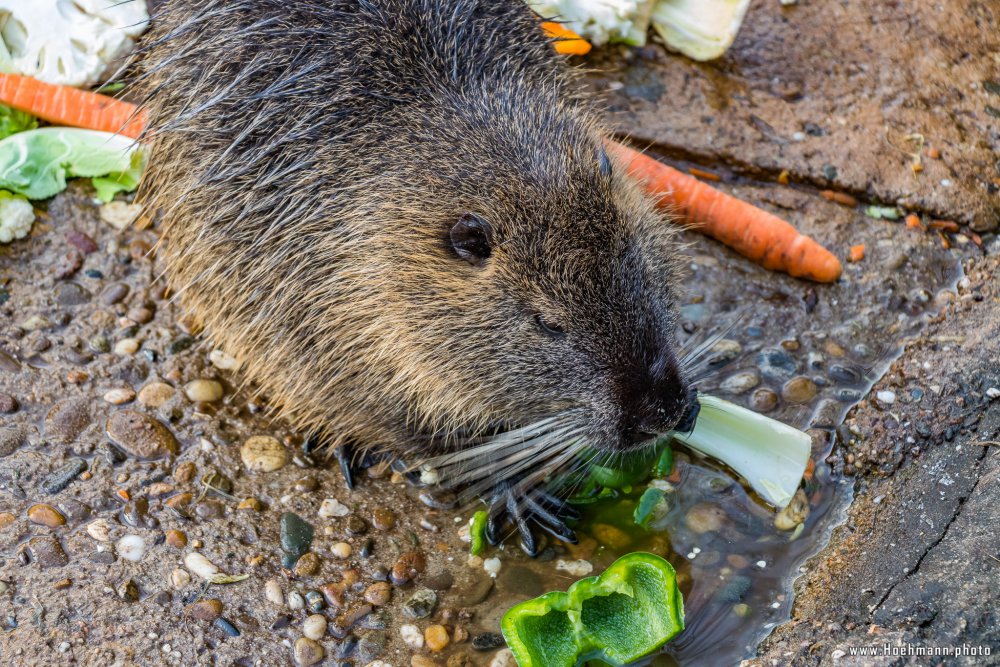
[
  {"x": 131, "y": 547},
  {"x": 200, "y": 565},
  {"x": 155, "y": 394},
  {"x": 273, "y": 593},
  {"x": 341, "y": 550},
  {"x": 379, "y": 593},
  {"x": 177, "y": 539},
  {"x": 704, "y": 518},
  {"x": 314, "y": 627},
  {"x": 223, "y": 361},
  {"x": 203, "y": 391},
  {"x": 384, "y": 519},
  {"x": 140, "y": 435},
  {"x": 307, "y": 565},
  {"x": 205, "y": 610},
  {"x": 296, "y": 601},
  {"x": 307, "y": 652},
  {"x": 503, "y": 658},
  {"x": 740, "y": 383},
  {"x": 100, "y": 530},
  {"x": 436, "y": 637},
  {"x": 179, "y": 578},
  {"x": 763, "y": 400},
  {"x": 799, "y": 389},
  {"x": 45, "y": 515},
  {"x": 420, "y": 604},
  {"x": 119, "y": 396},
  {"x": 411, "y": 636},
  {"x": 127, "y": 347},
  {"x": 331, "y": 507},
  {"x": 262, "y": 453}
]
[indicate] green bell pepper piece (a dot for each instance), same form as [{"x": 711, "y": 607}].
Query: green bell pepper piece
[
  {"x": 652, "y": 505},
  {"x": 633, "y": 608},
  {"x": 477, "y": 531}
]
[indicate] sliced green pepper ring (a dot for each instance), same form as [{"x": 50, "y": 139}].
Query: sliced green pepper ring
[{"x": 630, "y": 610}]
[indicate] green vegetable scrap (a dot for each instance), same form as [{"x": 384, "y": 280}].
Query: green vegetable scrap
[
  {"x": 652, "y": 506},
  {"x": 629, "y": 611},
  {"x": 883, "y": 212},
  {"x": 477, "y": 531},
  {"x": 36, "y": 163},
  {"x": 636, "y": 467},
  {"x": 13, "y": 121}
]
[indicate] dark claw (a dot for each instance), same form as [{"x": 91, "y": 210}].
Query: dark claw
[
  {"x": 527, "y": 509},
  {"x": 344, "y": 456}
]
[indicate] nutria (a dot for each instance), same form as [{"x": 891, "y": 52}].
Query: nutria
[{"x": 399, "y": 215}]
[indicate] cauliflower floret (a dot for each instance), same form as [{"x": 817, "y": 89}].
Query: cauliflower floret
[
  {"x": 70, "y": 42},
  {"x": 16, "y": 216},
  {"x": 600, "y": 21}
]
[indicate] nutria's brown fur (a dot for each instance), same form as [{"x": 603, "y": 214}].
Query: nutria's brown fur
[{"x": 310, "y": 162}]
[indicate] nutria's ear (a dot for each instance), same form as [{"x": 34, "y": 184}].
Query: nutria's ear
[{"x": 472, "y": 238}]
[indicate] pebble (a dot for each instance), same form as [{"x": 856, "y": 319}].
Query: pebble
[
  {"x": 487, "y": 641},
  {"x": 776, "y": 364},
  {"x": 45, "y": 515},
  {"x": 371, "y": 646},
  {"x": 100, "y": 530},
  {"x": 436, "y": 637},
  {"x": 273, "y": 592},
  {"x": 126, "y": 347},
  {"x": 114, "y": 293},
  {"x": 47, "y": 552},
  {"x": 331, "y": 507},
  {"x": 723, "y": 352},
  {"x": 203, "y": 391},
  {"x": 119, "y": 396},
  {"x": 179, "y": 578},
  {"x": 314, "y": 627},
  {"x": 492, "y": 566},
  {"x": 223, "y": 361},
  {"x": 799, "y": 390},
  {"x": 504, "y": 658},
  {"x": 6, "y": 519},
  {"x": 71, "y": 294},
  {"x": 424, "y": 661},
  {"x": 200, "y": 565},
  {"x": 226, "y": 627},
  {"x": 155, "y": 394},
  {"x": 341, "y": 550},
  {"x": 307, "y": 652},
  {"x": 993, "y": 393},
  {"x": 296, "y": 601},
  {"x": 307, "y": 565},
  {"x": 131, "y": 547},
  {"x": 60, "y": 478},
  {"x": 66, "y": 420},
  {"x": 205, "y": 610},
  {"x": 575, "y": 568},
  {"x": 8, "y": 404},
  {"x": 610, "y": 536},
  {"x": 11, "y": 438},
  {"x": 704, "y": 518},
  {"x": 296, "y": 537},
  {"x": 887, "y": 397},
  {"x": 176, "y": 539},
  {"x": 384, "y": 519},
  {"x": 120, "y": 214},
  {"x": 140, "y": 435},
  {"x": 379, "y": 593},
  {"x": 740, "y": 383},
  {"x": 262, "y": 453},
  {"x": 408, "y": 566},
  {"x": 763, "y": 400},
  {"x": 411, "y": 636},
  {"x": 794, "y": 514},
  {"x": 420, "y": 604},
  {"x": 356, "y": 526}
]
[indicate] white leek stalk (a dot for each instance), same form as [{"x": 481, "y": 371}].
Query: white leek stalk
[
  {"x": 700, "y": 29},
  {"x": 771, "y": 456}
]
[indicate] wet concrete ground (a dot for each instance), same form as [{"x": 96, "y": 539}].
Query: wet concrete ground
[{"x": 828, "y": 92}]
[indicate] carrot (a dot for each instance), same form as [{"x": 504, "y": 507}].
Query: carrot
[
  {"x": 857, "y": 253},
  {"x": 913, "y": 221},
  {"x": 841, "y": 198},
  {"x": 566, "y": 41},
  {"x": 704, "y": 175},
  {"x": 750, "y": 231},
  {"x": 63, "y": 105}
]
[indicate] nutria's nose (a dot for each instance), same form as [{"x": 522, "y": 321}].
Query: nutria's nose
[{"x": 653, "y": 402}]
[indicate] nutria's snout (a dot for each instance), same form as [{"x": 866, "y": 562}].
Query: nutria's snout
[{"x": 655, "y": 401}]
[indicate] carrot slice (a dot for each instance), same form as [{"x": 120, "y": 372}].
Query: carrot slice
[
  {"x": 64, "y": 105},
  {"x": 566, "y": 41},
  {"x": 750, "y": 231}
]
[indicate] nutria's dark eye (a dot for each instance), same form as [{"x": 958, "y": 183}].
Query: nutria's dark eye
[
  {"x": 548, "y": 327},
  {"x": 603, "y": 162},
  {"x": 472, "y": 238}
]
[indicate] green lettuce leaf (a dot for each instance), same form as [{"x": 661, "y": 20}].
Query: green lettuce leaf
[
  {"x": 36, "y": 163},
  {"x": 13, "y": 121}
]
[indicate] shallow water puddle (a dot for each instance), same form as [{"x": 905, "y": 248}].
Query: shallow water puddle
[{"x": 802, "y": 353}]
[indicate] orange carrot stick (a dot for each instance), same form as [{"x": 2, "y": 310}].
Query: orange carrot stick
[
  {"x": 750, "y": 231},
  {"x": 566, "y": 41},
  {"x": 63, "y": 105}
]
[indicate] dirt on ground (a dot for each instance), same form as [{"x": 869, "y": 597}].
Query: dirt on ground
[{"x": 136, "y": 465}]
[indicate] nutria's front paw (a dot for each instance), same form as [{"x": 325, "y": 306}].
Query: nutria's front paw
[{"x": 526, "y": 508}]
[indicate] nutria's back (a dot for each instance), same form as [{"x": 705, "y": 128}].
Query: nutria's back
[{"x": 398, "y": 214}]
